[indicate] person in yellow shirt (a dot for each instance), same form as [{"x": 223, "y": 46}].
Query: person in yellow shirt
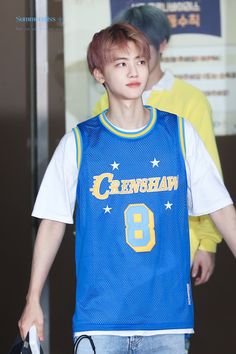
[{"x": 168, "y": 93}]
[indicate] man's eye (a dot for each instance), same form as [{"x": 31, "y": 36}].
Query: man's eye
[
  {"x": 142, "y": 62},
  {"x": 120, "y": 64}
]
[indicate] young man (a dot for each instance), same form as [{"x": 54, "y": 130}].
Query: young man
[
  {"x": 129, "y": 170},
  {"x": 167, "y": 93}
]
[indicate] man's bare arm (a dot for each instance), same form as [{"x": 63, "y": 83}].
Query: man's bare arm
[
  {"x": 48, "y": 240},
  {"x": 225, "y": 221}
]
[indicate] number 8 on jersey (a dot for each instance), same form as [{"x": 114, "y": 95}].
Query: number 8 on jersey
[{"x": 139, "y": 226}]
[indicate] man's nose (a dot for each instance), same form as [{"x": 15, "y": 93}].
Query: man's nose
[{"x": 133, "y": 72}]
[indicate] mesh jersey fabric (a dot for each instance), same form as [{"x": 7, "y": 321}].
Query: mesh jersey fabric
[
  {"x": 132, "y": 242},
  {"x": 179, "y": 97}
]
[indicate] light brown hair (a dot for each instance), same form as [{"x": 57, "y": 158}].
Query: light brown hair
[{"x": 116, "y": 36}]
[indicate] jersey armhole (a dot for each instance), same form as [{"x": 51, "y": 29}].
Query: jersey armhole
[
  {"x": 78, "y": 143},
  {"x": 182, "y": 136}
]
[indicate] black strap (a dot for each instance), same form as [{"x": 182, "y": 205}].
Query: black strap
[{"x": 80, "y": 338}]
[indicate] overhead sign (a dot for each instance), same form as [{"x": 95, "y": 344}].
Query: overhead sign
[{"x": 184, "y": 16}]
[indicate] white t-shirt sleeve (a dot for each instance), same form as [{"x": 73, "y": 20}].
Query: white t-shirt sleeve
[
  {"x": 206, "y": 190},
  {"x": 57, "y": 193}
]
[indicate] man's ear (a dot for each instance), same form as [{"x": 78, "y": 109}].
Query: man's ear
[
  {"x": 98, "y": 75},
  {"x": 163, "y": 46}
]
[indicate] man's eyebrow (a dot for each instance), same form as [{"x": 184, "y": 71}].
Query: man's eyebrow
[
  {"x": 126, "y": 58},
  {"x": 120, "y": 58}
]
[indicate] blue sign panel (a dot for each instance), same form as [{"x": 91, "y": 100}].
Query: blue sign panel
[{"x": 202, "y": 16}]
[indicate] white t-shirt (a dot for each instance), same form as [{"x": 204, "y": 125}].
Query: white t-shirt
[
  {"x": 165, "y": 83},
  {"x": 57, "y": 193}
]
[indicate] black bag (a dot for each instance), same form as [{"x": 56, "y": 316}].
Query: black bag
[{"x": 22, "y": 346}]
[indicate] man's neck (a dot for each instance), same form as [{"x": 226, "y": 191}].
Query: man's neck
[
  {"x": 154, "y": 77},
  {"x": 128, "y": 114}
]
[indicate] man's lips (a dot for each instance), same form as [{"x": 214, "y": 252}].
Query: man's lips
[{"x": 134, "y": 84}]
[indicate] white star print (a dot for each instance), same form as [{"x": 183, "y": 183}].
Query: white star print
[
  {"x": 107, "y": 210},
  {"x": 155, "y": 162},
  {"x": 115, "y": 166},
  {"x": 168, "y": 205}
]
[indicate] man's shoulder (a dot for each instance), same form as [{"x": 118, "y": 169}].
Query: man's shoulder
[
  {"x": 184, "y": 87},
  {"x": 92, "y": 122},
  {"x": 166, "y": 117},
  {"x": 162, "y": 114}
]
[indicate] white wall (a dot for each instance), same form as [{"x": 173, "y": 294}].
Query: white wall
[{"x": 82, "y": 18}]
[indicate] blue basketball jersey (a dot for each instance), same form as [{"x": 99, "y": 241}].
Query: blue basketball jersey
[{"x": 132, "y": 240}]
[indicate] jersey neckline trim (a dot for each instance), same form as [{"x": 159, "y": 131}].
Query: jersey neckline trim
[{"x": 131, "y": 135}]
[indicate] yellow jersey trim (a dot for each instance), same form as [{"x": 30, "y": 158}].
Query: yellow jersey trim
[
  {"x": 78, "y": 141},
  {"x": 134, "y": 135},
  {"x": 181, "y": 136}
]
